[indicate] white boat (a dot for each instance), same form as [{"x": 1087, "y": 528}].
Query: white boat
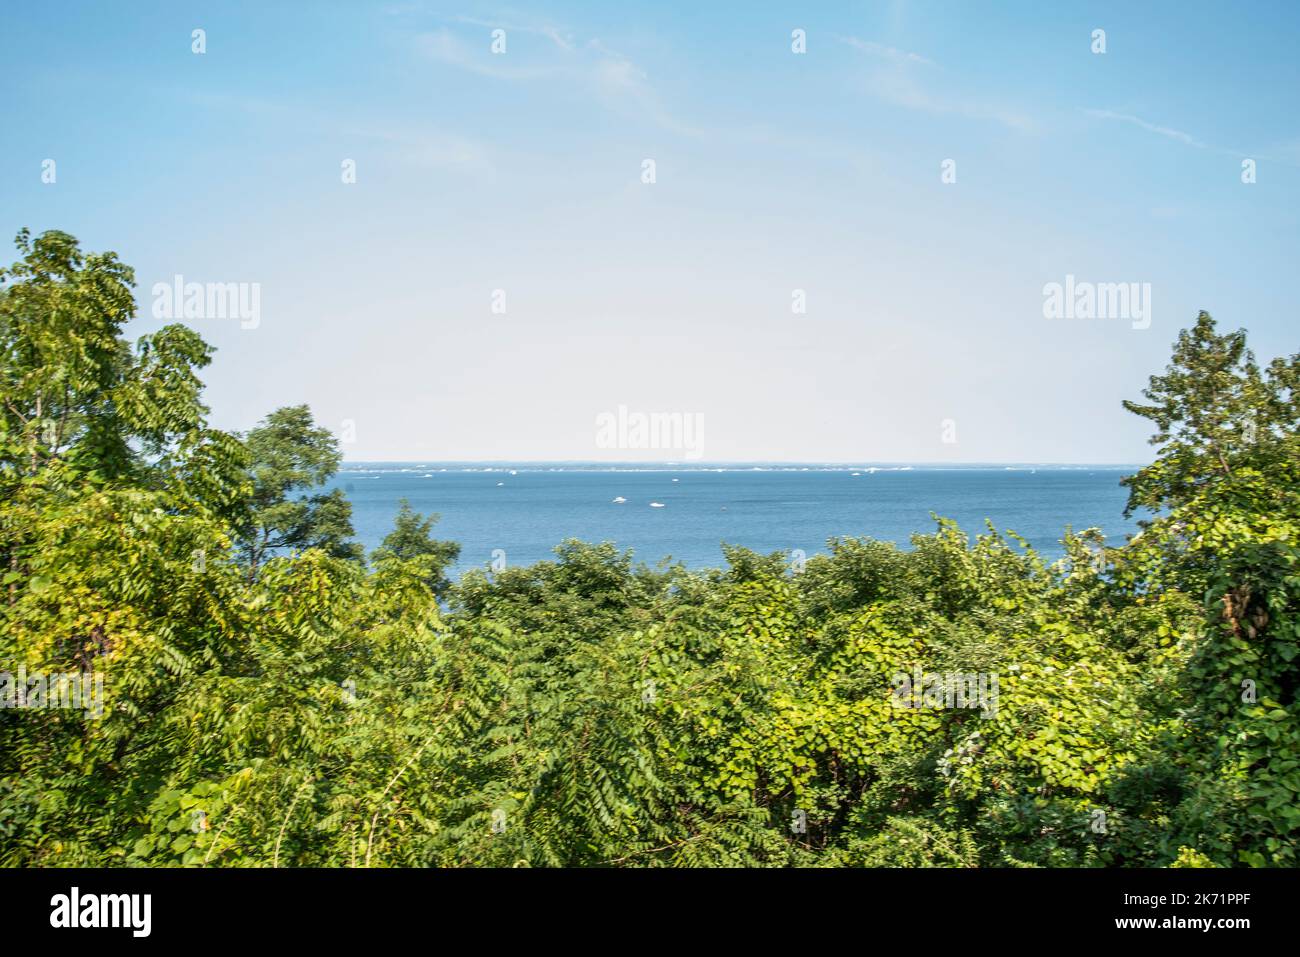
[
  {"x": 620, "y": 500},
  {"x": 656, "y": 504}
]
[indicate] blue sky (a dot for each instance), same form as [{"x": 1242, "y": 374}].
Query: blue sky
[{"x": 774, "y": 171}]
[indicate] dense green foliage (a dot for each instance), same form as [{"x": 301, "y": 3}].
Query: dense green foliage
[
  {"x": 289, "y": 456},
  {"x": 272, "y": 699}
]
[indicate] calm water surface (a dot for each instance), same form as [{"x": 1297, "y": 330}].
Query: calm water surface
[{"x": 528, "y": 509}]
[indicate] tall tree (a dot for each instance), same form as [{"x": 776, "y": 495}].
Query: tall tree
[
  {"x": 81, "y": 408},
  {"x": 1215, "y": 410},
  {"x": 292, "y": 456},
  {"x": 71, "y": 387}
]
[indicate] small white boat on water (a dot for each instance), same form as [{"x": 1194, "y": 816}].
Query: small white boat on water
[
  {"x": 620, "y": 500},
  {"x": 656, "y": 504}
]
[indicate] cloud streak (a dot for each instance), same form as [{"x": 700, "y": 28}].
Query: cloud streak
[
  {"x": 1165, "y": 131},
  {"x": 892, "y": 54},
  {"x": 608, "y": 75},
  {"x": 445, "y": 47},
  {"x": 552, "y": 33},
  {"x": 895, "y": 83},
  {"x": 1287, "y": 155}
]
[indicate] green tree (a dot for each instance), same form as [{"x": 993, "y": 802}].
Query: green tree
[
  {"x": 1214, "y": 410},
  {"x": 80, "y": 407},
  {"x": 1228, "y": 480},
  {"x": 291, "y": 456},
  {"x": 412, "y": 540},
  {"x": 305, "y": 709},
  {"x": 72, "y": 387}
]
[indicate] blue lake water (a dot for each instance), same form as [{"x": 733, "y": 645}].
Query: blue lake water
[{"x": 526, "y": 510}]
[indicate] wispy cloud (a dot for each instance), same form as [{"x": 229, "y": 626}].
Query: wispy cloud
[
  {"x": 892, "y": 54},
  {"x": 608, "y": 75},
  {"x": 1286, "y": 154},
  {"x": 555, "y": 37},
  {"x": 446, "y": 47},
  {"x": 896, "y": 82},
  {"x": 621, "y": 84},
  {"x": 901, "y": 90},
  {"x": 512, "y": 24},
  {"x": 1165, "y": 131}
]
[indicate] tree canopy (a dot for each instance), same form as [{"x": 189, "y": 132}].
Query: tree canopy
[{"x": 271, "y": 698}]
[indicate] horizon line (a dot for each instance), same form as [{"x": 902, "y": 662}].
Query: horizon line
[{"x": 717, "y": 462}]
